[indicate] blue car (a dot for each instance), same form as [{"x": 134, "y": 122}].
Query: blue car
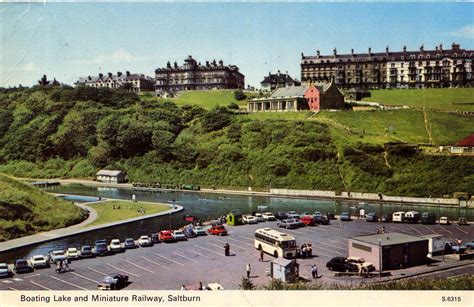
[
  {"x": 101, "y": 248},
  {"x": 345, "y": 216}
]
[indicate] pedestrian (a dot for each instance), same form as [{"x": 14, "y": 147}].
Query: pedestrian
[
  {"x": 309, "y": 250},
  {"x": 200, "y": 286},
  {"x": 227, "y": 249},
  {"x": 304, "y": 250},
  {"x": 383, "y": 229},
  {"x": 428, "y": 259},
  {"x": 248, "y": 270},
  {"x": 378, "y": 231},
  {"x": 314, "y": 271},
  {"x": 261, "y": 255},
  {"x": 183, "y": 287}
]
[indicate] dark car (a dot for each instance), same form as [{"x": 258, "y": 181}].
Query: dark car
[
  {"x": 101, "y": 248},
  {"x": 86, "y": 251},
  {"x": 340, "y": 264},
  {"x": 130, "y": 243},
  {"x": 372, "y": 217},
  {"x": 428, "y": 218},
  {"x": 189, "y": 232},
  {"x": 330, "y": 215},
  {"x": 5, "y": 270},
  {"x": 22, "y": 266},
  {"x": 154, "y": 238},
  {"x": 281, "y": 216},
  {"x": 322, "y": 220},
  {"x": 113, "y": 281},
  {"x": 345, "y": 216},
  {"x": 387, "y": 218}
]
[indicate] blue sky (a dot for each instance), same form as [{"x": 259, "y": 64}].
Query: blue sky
[{"x": 68, "y": 40}]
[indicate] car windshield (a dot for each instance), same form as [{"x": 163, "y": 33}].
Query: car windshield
[
  {"x": 21, "y": 262},
  {"x": 58, "y": 253},
  {"x": 86, "y": 248},
  {"x": 38, "y": 258},
  {"x": 288, "y": 244}
]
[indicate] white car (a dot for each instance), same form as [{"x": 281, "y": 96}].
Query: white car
[
  {"x": 361, "y": 264},
  {"x": 116, "y": 246},
  {"x": 39, "y": 261},
  {"x": 198, "y": 230},
  {"x": 72, "y": 253},
  {"x": 444, "y": 220},
  {"x": 55, "y": 256},
  {"x": 144, "y": 241},
  {"x": 178, "y": 235},
  {"x": 259, "y": 217},
  {"x": 293, "y": 215},
  {"x": 268, "y": 216},
  {"x": 249, "y": 219}
]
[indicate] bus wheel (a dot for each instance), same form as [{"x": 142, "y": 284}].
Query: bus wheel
[{"x": 275, "y": 254}]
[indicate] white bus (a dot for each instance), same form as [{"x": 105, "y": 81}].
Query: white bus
[
  {"x": 398, "y": 217},
  {"x": 275, "y": 243}
]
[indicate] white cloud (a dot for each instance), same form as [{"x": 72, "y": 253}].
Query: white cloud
[
  {"x": 466, "y": 31},
  {"x": 28, "y": 67},
  {"x": 119, "y": 56}
]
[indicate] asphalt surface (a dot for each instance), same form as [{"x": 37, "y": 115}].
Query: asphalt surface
[{"x": 167, "y": 266}]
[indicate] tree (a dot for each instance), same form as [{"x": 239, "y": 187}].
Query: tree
[
  {"x": 239, "y": 95},
  {"x": 216, "y": 119},
  {"x": 233, "y": 106}
]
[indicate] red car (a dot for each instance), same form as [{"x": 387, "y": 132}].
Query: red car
[
  {"x": 308, "y": 220},
  {"x": 217, "y": 230},
  {"x": 166, "y": 236}
]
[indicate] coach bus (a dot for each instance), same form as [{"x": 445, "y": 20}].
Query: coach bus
[{"x": 275, "y": 243}]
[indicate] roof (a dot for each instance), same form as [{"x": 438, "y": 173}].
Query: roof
[
  {"x": 289, "y": 91},
  {"x": 282, "y": 261},
  {"x": 392, "y": 238},
  {"x": 469, "y": 141},
  {"x": 113, "y": 173},
  {"x": 277, "y": 78}
]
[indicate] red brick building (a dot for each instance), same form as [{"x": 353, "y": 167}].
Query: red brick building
[{"x": 324, "y": 96}]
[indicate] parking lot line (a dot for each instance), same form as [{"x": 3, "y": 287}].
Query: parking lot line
[
  {"x": 448, "y": 231},
  {"x": 209, "y": 250},
  {"x": 246, "y": 237},
  {"x": 41, "y": 286},
  {"x": 84, "y": 277},
  {"x": 344, "y": 249},
  {"x": 185, "y": 257},
  {"x": 196, "y": 253},
  {"x": 12, "y": 289},
  {"x": 318, "y": 252},
  {"x": 240, "y": 241},
  {"x": 419, "y": 232},
  {"x": 431, "y": 230},
  {"x": 113, "y": 266},
  {"x": 34, "y": 275},
  {"x": 96, "y": 271},
  {"x": 292, "y": 230},
  {"x": 140, "y": 267},
  {"x": 67, "y": 283},
  {"x": 179, "y": 263},
  {"x": 462, "y": 230},
  {"x": 338, "y": 242},
  {"x": 319, "y": 247},
  {"x": 155, "y": 263},
  {"x": 221, "y": 247}
]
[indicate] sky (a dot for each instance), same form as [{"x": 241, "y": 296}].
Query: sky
[{"x": 69, "y": 40}]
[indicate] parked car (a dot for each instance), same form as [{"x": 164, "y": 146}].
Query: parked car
[
  {"x": 130, "y": 243},
  {"x": 189, "y": 232},
  {"x": 101, "y": 248},
  {"x": 217, "y": 230},
  {"x": 154, "y": 238},
  {"x": 113, "y": 281},
  {"x": 307, "y": 220},
  {"x": 331, "y": 215},
  {"x": 387, "y": 218},
  {"x": 72, "y": 253},
  {"x": 428, "y": 218},
  {"x": 444, "y": 220},
  {"x": 293, "y": 215},
  {"x": 463, "y": 221},
  {"x": 281, "y": 216},
  {"x": 398, "y": 217},
  {"x": 86, "y": 251},
  {"x": 288, "y": 224},
  {"x": 39, "y": 261},
  {"x": 22, "y": 266},
  {"x": 199, "y": 230},
  {"x": 249, "y": 219},
  {"x": 372, "y": 217},
  {"x": 268, "y": 216},
  {"x": 116, "y": 246},
  {"x": 178, "y": 235},
  {"x": 144, "y": 241},
  {"x": 259, "y": 217},
  {"x": 5, "y": 270},
  {"x": 454, "y": 247},
  {"x": 55, "y": 256},
  {"x": 412, "y": 217},
  {"x": 469, "y": 245},
  {"x": 345, "y": 216},
  {"x": 166, "y": 236},
  {"x": 340, "y": 264},
  {"x": 317, "y": 213},
  {"x": 322, "y": 220},
  {"x": 362, "y": 265}
]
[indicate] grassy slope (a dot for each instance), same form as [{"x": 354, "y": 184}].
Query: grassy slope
[
  {"x": 460, "y": 99},
  {"x": 25, "y": 210},
  {"x": 128, "y": 209}
]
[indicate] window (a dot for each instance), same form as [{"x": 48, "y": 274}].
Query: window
[
  {"x": 402, "y": 58},
  {"x": 362, "y": 247},
  {"x": 401, "y": 65},
  {"x": 455, "y": 55},
  {"x": 437, "y": 55}
]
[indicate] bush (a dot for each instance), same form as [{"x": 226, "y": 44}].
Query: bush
[{"x": 239, "y": 95}]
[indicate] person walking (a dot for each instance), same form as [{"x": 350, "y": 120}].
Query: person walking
[
  {"x": 248, "y": 270},
  {"x": 428, "y": 259},
  {"x": 200, "y": 286},
  {"x": 383, "y": 229},
  {"x": 261, "y": 255},
  {"x": 314, "y": 271},
  {"x": 227, "y": 249}
]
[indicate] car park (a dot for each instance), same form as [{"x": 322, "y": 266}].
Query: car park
[
  {"x": 444, "y": 220},
  {"x": 86, "y": 251},
  {"x": 249, "y": 219},
  {"x": 322, "y": 220},
  {"x": 268, "y": 216},
  {"x": 281, "y": 216},
  {"x": 101, "y": 248},
  {"x": 288, "y": 224},
  {"x": 116, "y": 246},
  {"x": 72, "y": 253},
  {"x": 462, "y": 221},
  {"x": 372, "y": 217},
  {"x": 345, "y": 216},
  {"x": 130, "y": 243},
  {"x": 22, "y": 266},
  {"x": 307, "y": 220},
  {"x": 259, "y": 217},
  {"x": 387, "y": 218},
  {"x": 362, "y": 265},
  {"x": 428, "y": 218},
  {"x": 39, "y": 261},
  {"x": 166, "y": 236},
  {"x": 178, "y": 235},
  {"x": 199, "y": 230},
  {"x": 217, "y": 230},
  {"x": 57, "y": 255},
  {"x": 113, "y": 281},
  {"x": 144, "y": 241},
  {"x": 5, "y": 270},
  {"x": 340, "y": 264}
]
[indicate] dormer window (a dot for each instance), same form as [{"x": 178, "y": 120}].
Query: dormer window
[
  {"x": 402, "y": 58},
  {"x": 455, "y": 55}
]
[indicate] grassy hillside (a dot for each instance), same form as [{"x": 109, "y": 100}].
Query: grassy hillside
[
  {"x": 25, "y": 210},
  {"x": 460, "y": 99}
]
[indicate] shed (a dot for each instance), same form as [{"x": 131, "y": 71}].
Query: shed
[
  {"x": 392, "y": 250},
  {"x": 464, "y": 146},
  {"x": 286, "y": 270},
  {"x": 234, "y": 218},
  {"x": 110, "y": 176}
]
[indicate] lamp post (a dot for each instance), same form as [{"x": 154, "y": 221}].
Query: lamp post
[{"x": 380, "y": 258}]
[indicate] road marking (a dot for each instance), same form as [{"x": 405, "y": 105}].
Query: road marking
[
  {"x": 337, "y": 242},
  {"x": 209, "y": 250},
  {"x": 17, "y": 279},
  {"x": 96, "y": 271},
  {"x": 84, "y": 277},
  {"x": 221, "y": 247},
  {"x": 199, "y": 254},
  {"x": 240, "y": 242},
  {"x": 319, "y": 247},
  {"x": 291, "y": 230},
  {"x": 68, "y": 283},
  {"x": 113, "y": 266},
  {"x": 32, "y": 275},
  {"x": 12, "y": 289},
  {"x": 41, "y": 286},
  {"x": 448, "y": 231},
  {"x": 462, "y": 230},
  {"x": 432, "y": 231},
  {"x": 321, "y": 253},
  {"x": 140, "y": 267},
  {"x": 7, "y": 281},
  {"x": 155, "y": 263},
  {"x": 185, "y": 257},
  {"x": 179, "y": 263},
  {"x": 344, "y": 249},
  {"x": 419, "y": 232},
  {"x": 245, "y": 237}
]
